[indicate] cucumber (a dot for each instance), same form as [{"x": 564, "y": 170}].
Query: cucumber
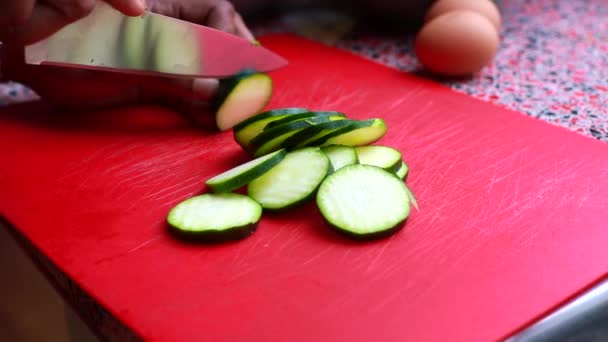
[
  {"x": 412, "y": 198},
  {"x": 211, "y": 217},
  {"x": 245, "y": 173},
  {"x": 340, "y": 156},
  {"x": 364, "y": 201},
  {"x": 314, "y": 133},
  {"x": 251, "y": 127},
  {"x": 240, "y": 97},
  {"x": 403, "y": 171},
  {"x": 331, "y": 116},
  {"x": 385, "y": 157},
  {"x": 358, "y": 134},
  {"x": 272, "y": 139},
  {"x": 293, "y": 181}
]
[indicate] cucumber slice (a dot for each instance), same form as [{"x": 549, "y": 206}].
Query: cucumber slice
[
  {"x": 245, "y": 173},
  {"x": 272, "y": 139},
  {"x": 384, "y": 157},
  {"x": 215, "y": 217},
  {"x": 364, "y": 202},
  {"x": 412, "y": 198},
  {"x": 402, "y": 171},
  {"x": 314, "y": 133},
  {"x": 293, "y": 181},
  {"x": 341, "y": 156},
  {"x": 251, "y": 127},
  {"x": 331, "y": 116},
  {"x": 240, "y": 97},
  {"x": 359, "y": 134}
]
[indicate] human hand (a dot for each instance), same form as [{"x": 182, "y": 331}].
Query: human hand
[
  {"x": 26, "y": 21},
  {"x": 86, "y": 89}
]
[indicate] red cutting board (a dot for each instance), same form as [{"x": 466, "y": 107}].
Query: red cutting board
[{"x": 512, "y": 217}]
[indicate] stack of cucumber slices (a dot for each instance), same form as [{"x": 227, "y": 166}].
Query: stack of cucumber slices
[{"x": 302, "y": 155}]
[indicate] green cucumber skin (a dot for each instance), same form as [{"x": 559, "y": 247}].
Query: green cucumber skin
[
  {"x": 367, "y": 237},
  {"x": 269, "y": 114},
  {"x": 275, "y": 132},
  {"x": 226, "y": 86},
  {"x": 303, "y": 116},
  {"x": 250, "y": 175},
  {"x": 299, "y": 140},
  {"x": 355, "y": 125},
  {"x": 232, "y": 234}
]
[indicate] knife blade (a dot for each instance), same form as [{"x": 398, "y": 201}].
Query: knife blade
[{"x": 150, "y": 44}]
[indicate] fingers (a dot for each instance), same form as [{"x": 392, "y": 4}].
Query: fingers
[
  {"x": 221, "y": 17},
  {"x": 129, "y": 7},
  {"x": 43, "y": 21},
  {"x": 27, "y": 21},
  {"x": 241, "y": 29},
  {"x": 14, "y": 13}
]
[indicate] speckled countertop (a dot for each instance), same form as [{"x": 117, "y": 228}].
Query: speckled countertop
[{"x": 552, "y": 63}]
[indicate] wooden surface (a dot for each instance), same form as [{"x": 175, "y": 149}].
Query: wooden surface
[{"x": 511, "y": 222}]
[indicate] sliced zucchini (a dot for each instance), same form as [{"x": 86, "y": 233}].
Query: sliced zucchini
[
  {"x": 364, "y": 201},
  {"x": 211, "y": 217},
  {"x": 412, "y": 198},
  {"x": 331, "y": 116},
  {"x": 240, "y": 97},
  {"x": 251, "y": 127},
  {"x": 293, "y": 181},
  {"x": 340, "y": 156},
  {"x": 245, "y": 173},
  {"x": 314, "y": 133},
  {"x": 359, "y": 134},
  {"x": 402, "y": 171},
  {"x": 385, "y": 157},
  {"x": 272, "y": 139}
]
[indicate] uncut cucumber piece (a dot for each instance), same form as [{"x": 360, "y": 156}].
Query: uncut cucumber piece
[
  {"x": 215, "y": 217},
  {"x": 245, "y": 173},
  {"x": 384, "y": 157},
  {"x": 364, "y": 202},
  {"x": 331, "y": 116},
  {"x": 240, "y": 97},
  {"x": 251, "y": 127},
  {"x": 341, "y": 156},
  {"x": 403, "y": 171},
  {"x": 359, "y": 134},
  {"x": 304, "y": 137},
  {"x": 291, "y": 182}
]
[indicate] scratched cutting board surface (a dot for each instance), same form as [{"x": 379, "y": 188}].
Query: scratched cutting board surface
[{"x": 512, "y": 221}]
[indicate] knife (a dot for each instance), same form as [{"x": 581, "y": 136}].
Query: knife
[{"x": 151, "y": 44}]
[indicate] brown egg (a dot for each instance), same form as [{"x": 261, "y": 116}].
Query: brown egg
[
  {"x": 457, "y": 43},
  {"x": 487, "y": 8}
]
